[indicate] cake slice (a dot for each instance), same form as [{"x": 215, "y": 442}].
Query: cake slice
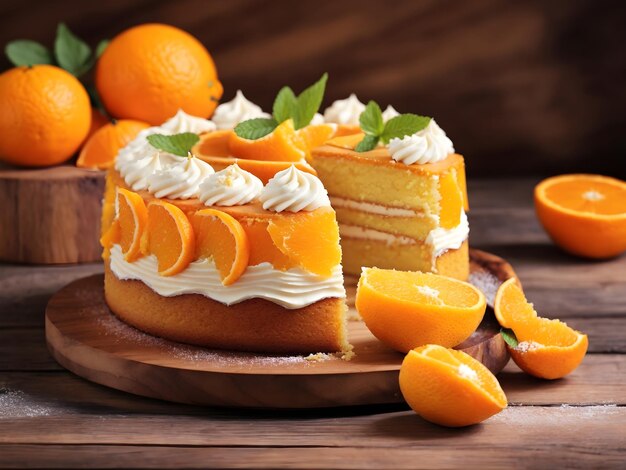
[{"x": 400, "y": 205}]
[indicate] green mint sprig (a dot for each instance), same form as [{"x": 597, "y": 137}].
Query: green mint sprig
[
  {"x": 177, "y": 144},
  {"x": 69, "y": 52},
  {"x": 509, "y": 337},
  {"x": 371, "y": 120},
  {"x": 287, "y": 105}
]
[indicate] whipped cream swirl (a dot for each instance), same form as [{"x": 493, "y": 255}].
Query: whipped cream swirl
[
  {"x": 390, "y": 113},
  {"x": 137, "y": 172},
  {"x": 183, "y": 122},
  {"x": 231, "y": 186},
  {"x": 345, "y": 112},
  {"x": 293, "y": 190},
  {"x": 228, "y": 115},
  {"x": 430, "y": 145},
  {"x": 317, "y": 120},
  {"x": 180, "y": 180}
]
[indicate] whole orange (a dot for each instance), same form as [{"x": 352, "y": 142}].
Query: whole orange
[
  {"x": 44, "y": 116},
  {"x": 150, "y": 71}
]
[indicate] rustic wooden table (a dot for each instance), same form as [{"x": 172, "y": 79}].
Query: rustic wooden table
[{"x": 51, "y": 418}]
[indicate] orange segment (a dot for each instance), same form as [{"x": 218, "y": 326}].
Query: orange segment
[
  {"x": 221, "y": 238},
  {"x": 213, "y": 144},
  {"x": 110, "y": 236},
  {"x": 547, "y": 348},
  {"x": 316, "y": 135},
  {"x": 102, "y": 147},
  {"x": 451, "y": 201},
  {"x": 584, "y": 214},
  {"x": 263, "y": 250},
  {"x": 132, "y": 217},
  {"x": 449, "y": 387},
  {"x": 170, "y": 237},
  {"x": 309, "y": 239},
  {"x": 283, "y": 144},
  {"x": 407, "y": 309}
]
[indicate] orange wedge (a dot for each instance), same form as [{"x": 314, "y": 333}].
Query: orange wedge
[
  {"x": 547, "y": 348},
  {"x": 220, "y": 237},
  {"x": 451, "y": 201},
  {"x": 132, "y": 219},
  {"x": 283, "y": 144},
  {"x": 316, "y": 135},
  {"x": 170, "y": 237},
  {"x": 407, "y": 309},
  {"x": 449, "y": 387},
  {"x": 584, "y": 214},
  {"x": 309, "y": 239},
  {"x": 100, "y": 150}
]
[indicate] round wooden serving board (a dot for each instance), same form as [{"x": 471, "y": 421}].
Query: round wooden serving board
[
  {"x": 86, "y": 338},
  {"x": 50, "y": 215}
]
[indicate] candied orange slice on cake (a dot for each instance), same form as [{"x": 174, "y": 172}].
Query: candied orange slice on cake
[
  {"x": 584, "y": 214},
  {"x": 100, "y": 150},
  {"x": 131, "y": 220},
  {"x": 406, "y": 309},
  {"x": 309, "y": 239},
  {"x": 316, "y": 134},
  {"x": 170, "y": 237},
  {"x": 449, "y": 387},
  {"x": 545, "y": 348},
  {"x": 220, "y": 237},
  {"x": 451, "y": 201},
  {"x": 282, "y": 144}
]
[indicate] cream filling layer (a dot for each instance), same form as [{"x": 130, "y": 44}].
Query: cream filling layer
[
  {"x": 371, "y": 208},
  {"x": 440, "y": 239},
  {"x": 291, "y": 289}
]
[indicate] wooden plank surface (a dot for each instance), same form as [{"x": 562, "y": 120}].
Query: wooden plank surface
[{"x": 51, "y": 418}]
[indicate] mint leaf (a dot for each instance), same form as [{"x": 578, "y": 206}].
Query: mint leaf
[
  {"x": 403, "y": 125},
  {"x": 254, "y": 129},
  {"x": 102, "y": 45},
  {"x": 285, "y": 105},
  {"x": 71, "y": 53},
  {"x": 25, "y": 52},
  {"x": 309, "y": 102},
  {"x": 368, "y": 143},
  {"x": 177, "y": 144},
  {"x": 509, "y": 337},
  {"x": 371, "y": 119}
]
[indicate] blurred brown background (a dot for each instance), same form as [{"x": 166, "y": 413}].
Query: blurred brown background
[{"x": 528, "y": 87}]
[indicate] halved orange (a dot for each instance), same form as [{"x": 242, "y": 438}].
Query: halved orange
[
  {"x": 449, "y": 387},
  {"x": 547, "y": 348},
  {"x": 100, "y": 150},
  {"x": 170, "y": 237},
  {"x": 283, "y": 144},
  {"x": 132, "y": 217},
  {"x": 584, "y": 214},
  {"x": 407, "y": 309},
  {"x": 220, "y": 237},
  {"x": 309, "y": 239}
]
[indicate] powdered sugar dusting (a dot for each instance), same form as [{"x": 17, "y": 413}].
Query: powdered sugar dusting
[
  {"x": 16, "y": 404},
  {"x": 123, "y": 333},
  {"x": 531, "y": 416},
  {"x": 487, "y": 283}
]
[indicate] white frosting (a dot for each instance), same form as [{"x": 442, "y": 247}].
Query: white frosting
[
  {"x": 180, "y": 180},
  {"x": 429, "y": 145},
  {"x": 291, "y": 289},
  {"x": 345, "y": 112},
  {"x": 372, "y": 208},
  {"x": 362, "y": 233},
  {"x": 228, "y": 115},
  {"x": 293, "y": 190},
  {"x": 138, "y": 160},
  {"x": 183, "y": 122},
  {"x": 389, "y": 113},
  {"x": 443, "y": 239},
  {"x": 317, "y": 119},
  {"x": 230, "y": 187}
]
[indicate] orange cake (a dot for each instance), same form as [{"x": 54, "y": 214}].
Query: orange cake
[
  {"x": 400, "y": 201},
  {"x": 219, "y": 259}
]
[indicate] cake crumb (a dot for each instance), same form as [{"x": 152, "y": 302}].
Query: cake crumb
[
  {"x": 526, "y": 346},
  {"x": 467, "y": 372},
  {"x": 318, "y": 357}
]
